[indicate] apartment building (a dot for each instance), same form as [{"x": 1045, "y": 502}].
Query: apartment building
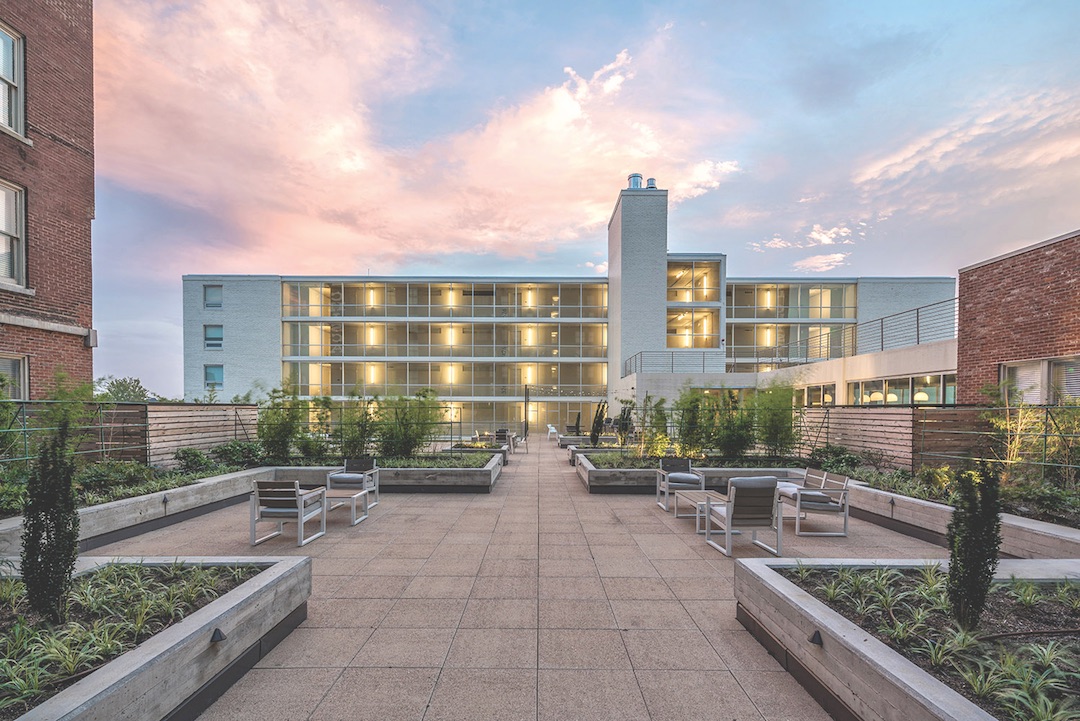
[
  {"x": 46, "y": 193},
  {"x": 482, "y": 343}
]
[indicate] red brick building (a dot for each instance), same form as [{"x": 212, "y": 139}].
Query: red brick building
[
  {"x": 1020, "y": 321},
  {"x": 46, "y": 192}
]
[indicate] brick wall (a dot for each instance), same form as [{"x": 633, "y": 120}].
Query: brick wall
[
  {"x": 56, "y": 168},
  {"x": 1020, "y": 307}
]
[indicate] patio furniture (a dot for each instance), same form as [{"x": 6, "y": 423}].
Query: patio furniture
[
  {"x": 352, "y": 496},
  {"x": 752, "y": 504},
  {"x": 699, "y": 500},
  {"x": 675, "y": 474},
  {"x": 521, "y": 442},
  {"x": 286, "y": 502},
  {"x": 553, "y": 432},
  {"x": 821, "y": 492},
  {"x": 360, "y": 472}
]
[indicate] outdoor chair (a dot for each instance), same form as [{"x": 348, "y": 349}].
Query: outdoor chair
[
  {"x": 751, "y": 505},
  {"x": 821, "y": 492},
  {"x": 675, "y": 474},
  {"x": 357, "y": 473},
  {"x": 553, "y": 432},
  {"x": 286, "y": 502},
  {"x": 521, "y": 442}
]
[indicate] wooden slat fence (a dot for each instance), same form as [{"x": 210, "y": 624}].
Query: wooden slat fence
[{"x": 193, "y": 425}]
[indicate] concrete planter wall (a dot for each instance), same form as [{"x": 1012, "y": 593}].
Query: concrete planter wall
[
  {"x": 504, "y": 451},
  {"x": 444, "y": 480},
  {"x": 1020, "y": 537},
  {"x": 851, "y": 673},
  {"x": 151, "y": 681},
  {"x": 643, "y": 480},
  {"x": 575, "y": 451}
]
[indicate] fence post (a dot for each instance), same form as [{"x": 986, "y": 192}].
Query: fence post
[
  {"x": 101, "y": 432},
  {"x": 917, "y": 341}
]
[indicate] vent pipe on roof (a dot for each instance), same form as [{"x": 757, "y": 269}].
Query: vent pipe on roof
[
  {"x": 635, "y": 180},
  {"x": 650, "y": 184}
]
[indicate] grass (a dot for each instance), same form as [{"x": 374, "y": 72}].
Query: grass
[
  {"x": 1023, "y": 663},
  {"x": 111, "y": 611}
]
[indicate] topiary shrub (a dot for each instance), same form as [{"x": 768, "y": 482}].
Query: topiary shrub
[
  {"x": 974, "y": 536},
  {"x": 50, "y": 540}
]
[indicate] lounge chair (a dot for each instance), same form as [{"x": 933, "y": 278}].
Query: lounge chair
[
  {"x": 676, "y": 474},
  {"x": 820, "y": 492},
  {"x": 362, "y": 472},
  {"x": 751, "y": 505},
  {"x": 286, "y": 502}
]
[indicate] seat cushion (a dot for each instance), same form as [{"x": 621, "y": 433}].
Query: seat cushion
[
  {"x": 680, "y": 477},
  {"x": 787, "y": 489},
  {"x": 348, "y": 479}
]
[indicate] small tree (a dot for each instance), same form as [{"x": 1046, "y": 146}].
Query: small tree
[
  {"x": 974, "y": 536},
  {"x": 624, "y": 424},
  {"x": 689, "y": 422},
  {"x": 598, "y": 423},
  {"x": 405, "y": 425},
  {"x": 121, "y": 390},
  {"x": 734, "y": 428},
  {"x": 50, "y": 539},
  {"x": 774, "y": 413},
  {"x": 279, "y": 423},
  {"x": 357, "y": 427}
]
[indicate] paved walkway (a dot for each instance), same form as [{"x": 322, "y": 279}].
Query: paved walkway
[{"x": 538, "y": 601}]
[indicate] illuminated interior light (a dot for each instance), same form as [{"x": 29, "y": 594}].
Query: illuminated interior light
[
  {"x": 891, "y": 398},
  {"x": 371, "y": 298},
  {"x": 827, "y": 398},
  {"x": 921, "y": 397},
  {"x": 876, "y": 397}
]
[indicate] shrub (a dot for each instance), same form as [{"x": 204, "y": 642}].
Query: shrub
[
  {"x": 357, "y": 427},
  {"x": 97, "y": 476},
  {"x": 279, "y": 424},
  {"x": 598, "y": 423},
  {"x": 775, "y": 419},
  {"x": 192, "y": 460},
  {"x": 407, "y": 424},
  {"x": 51, "y": 522},
  {"x": 974, "y": 536},
  {"x": 835, "y": 459},
  {"x": 245, "y": 454}
]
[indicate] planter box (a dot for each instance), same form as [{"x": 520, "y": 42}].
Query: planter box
[
  {"x": 177, "y": 667},
  {"x": 1020, "y": 537},
  {"x": 852, "y": 674},
  {"x": 503, "y": 450},
  {"x": 575, "y": 451},
  {"x": 442, "y": 480},
  {"x": 643, "y": 480}
]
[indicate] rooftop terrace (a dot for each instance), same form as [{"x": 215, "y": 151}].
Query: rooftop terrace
[{"x": 538, "y": 601}]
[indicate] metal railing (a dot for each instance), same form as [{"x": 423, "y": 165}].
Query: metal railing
[{"x": 925, "y": 324}]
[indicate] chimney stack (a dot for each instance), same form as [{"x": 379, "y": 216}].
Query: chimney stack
[{"x": 635, "y": 181}]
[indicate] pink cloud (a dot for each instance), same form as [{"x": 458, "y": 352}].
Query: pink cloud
[
  {"x": 820, "y": 263},
  {"x": 259, "y": 114}
]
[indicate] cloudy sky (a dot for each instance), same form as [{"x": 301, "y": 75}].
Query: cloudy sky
[{"x": 488, "y": 137}]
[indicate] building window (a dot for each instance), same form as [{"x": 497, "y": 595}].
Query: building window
[
  {"x": 13, "y": 377},
  {"x": 213, "y": 336},
  {"x": 11, "y": 73},
  {"x": 12, "y": 225},
  {"x": 213, "y": 377},
  {"x": 211, "y": 296}
]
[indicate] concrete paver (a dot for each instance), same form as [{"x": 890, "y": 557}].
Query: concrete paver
[{"x": 537, "y": 601}]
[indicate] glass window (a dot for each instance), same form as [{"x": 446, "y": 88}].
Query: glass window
[
  {"x": 11, "y": 91},
  {"x": 213, "y": 377},
  {"x": 212, "y": 296},
  {"x": 1065, "y": 379},
  {"x": 873, "y": 393},
  {"x": 213, "y": 336},
  {"x": 13, "y": 377},
  {"x": 12, "y": 225},
  {"x": 927, "y": 389},
  {"x": 898, "y": 391}
]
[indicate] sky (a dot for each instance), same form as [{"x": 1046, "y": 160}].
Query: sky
[{"x": 488, "y": 137}]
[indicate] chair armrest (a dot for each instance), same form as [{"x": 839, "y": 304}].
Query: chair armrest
[{"x": 306, "y": 495}]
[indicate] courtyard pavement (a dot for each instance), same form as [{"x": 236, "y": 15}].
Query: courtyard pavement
[{"x": 537, "y": 601}]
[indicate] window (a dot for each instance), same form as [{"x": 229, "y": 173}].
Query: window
[
  {"x": 211, "y": 296},
  {"x": 213, "y": 377},
  {"x": 11, "y": 70},
  {"x": 13, "y": 377},
  {"x": 12, "y": 213},
  {"x": 213, "y": 335}
]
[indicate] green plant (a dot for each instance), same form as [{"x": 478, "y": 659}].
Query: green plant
[
  {"x": 624, "y": 423},
  {"x": 50, "y": 519},
  {"x": 313, "y": 441},
  {"x": 245, "y": 454},
  {"x": 1025, "y": 593},
  {"x": 192, "y": 460},
  {"x": 974, "y": 536},
  {"x": 356, "y": 429},
  {"x": 835, "y": 459},
  {"x": 405, "y": 425},
  {"x": 598, "y": 423},
  {"x": 279, "y": 423},
  {"x": 774, "y": 416}
]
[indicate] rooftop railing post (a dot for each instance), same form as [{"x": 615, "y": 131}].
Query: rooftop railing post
[{"x": 917, "y": 326}]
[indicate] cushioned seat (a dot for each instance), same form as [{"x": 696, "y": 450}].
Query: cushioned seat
[
  {"x": 678, "y": 477},
  {"x": 675, "y": 474}
]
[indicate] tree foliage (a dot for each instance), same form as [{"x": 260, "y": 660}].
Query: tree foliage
[
  {"x": 598, "y": 423},
  {"x": 774, "y": 416},
  {"x": 407, "y": 424},
  {"x": 974, "y": 536}
]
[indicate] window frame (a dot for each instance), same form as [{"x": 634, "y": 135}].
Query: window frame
[
  {"x": 210, "y": 385},
  {"x": 23, "y": 380},
  {"x": 221, "y": 299},
  {"x": 16, "y": 86},
  {"x": 213, "y": 343},
  {"x": 18, "y": 262}
]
